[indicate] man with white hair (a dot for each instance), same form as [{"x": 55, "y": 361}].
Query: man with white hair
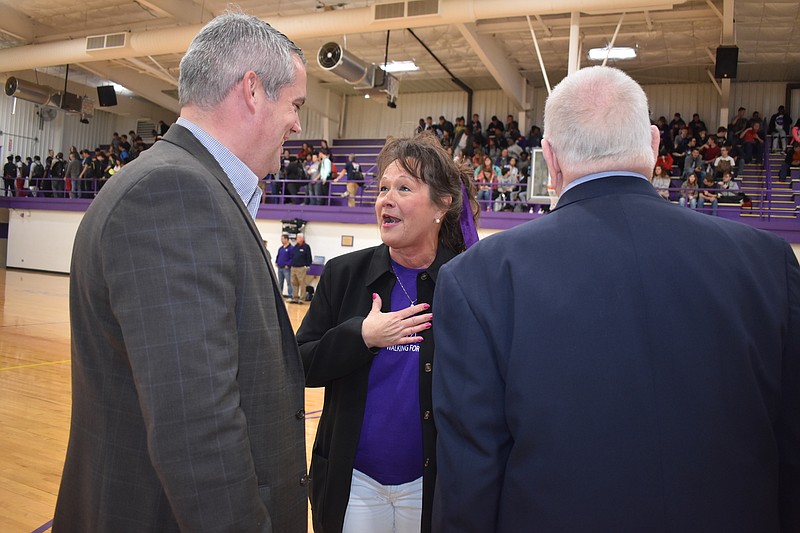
[
  {"x": 187, "y": 384},
  {"x": 572, "y": 396}
]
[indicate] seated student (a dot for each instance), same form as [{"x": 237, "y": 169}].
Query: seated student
[
  {"x": 697, "y": 125},
  {"x": 681, "y": 144},
  {"x": 665, "y": 161},
  {"x": 729, "y": 192},
  {"x": 792, "y": 153},
  {"x": 676, "y": 124},
  {"x": 492, "y": 149},
  {"x": 709, "y": 194},
  {"x": 690, "y": 190},
  {"x": 737, "y": 153},
  {"x": 723, "y": 163},
  {"x": 701, "y": 138},
  {"x": 710, "y": 151},
  {"x": 522, "y": 185},
  {"x": 661, "y": 182},
  {"x": 722, "y": 135},
  {"x": 753, "y": 144},
  {"x": 506, "y": 184},
  {"x": 792, "y": 160},
  {"x": 486, "y": 177},
  {"x": 304, "y": 151},
  {"x": 692, "y": 163}
]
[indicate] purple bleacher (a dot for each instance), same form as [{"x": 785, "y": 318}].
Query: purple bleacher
[
  {"x": 359, "y": 142},
  {"x": 368, "y": 150}
]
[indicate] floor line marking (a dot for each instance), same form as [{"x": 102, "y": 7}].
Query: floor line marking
[
  {"x": 36, "y": 364},
  {"x": 44, "y": 527},
  {"x": 34, "y": 324}
]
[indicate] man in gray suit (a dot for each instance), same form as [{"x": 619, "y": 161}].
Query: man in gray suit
[{"x": 187, "y": 384}]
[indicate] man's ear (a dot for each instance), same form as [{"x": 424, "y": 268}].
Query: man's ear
[
  {"x": 655, "y": 140},
  {"x": 249, "y": 89},
  {"x": 556, "y": 177}
]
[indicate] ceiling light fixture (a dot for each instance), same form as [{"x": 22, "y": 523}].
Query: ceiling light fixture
[
  {"x": 121, "y": 88},
  {"x": 400, "y": 66},
  {"x": 618, "y": 52}
]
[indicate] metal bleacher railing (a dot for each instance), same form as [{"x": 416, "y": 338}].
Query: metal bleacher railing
[{"x": 769, "y": 197}]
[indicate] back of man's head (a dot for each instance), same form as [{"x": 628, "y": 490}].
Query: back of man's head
[
  {"x": 597, "y": 119},
  {"x": 225, "y": 49}
]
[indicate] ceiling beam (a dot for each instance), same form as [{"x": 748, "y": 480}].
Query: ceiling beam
[
  {"x": 547, "y": 30},
  {"x": 146, "y": 87},
  {"x": 495, "y": 59},
  {"x": 16, "y": 24},
  {"x": 182, "y": 10},
  {"x": 562, "y": 22}
]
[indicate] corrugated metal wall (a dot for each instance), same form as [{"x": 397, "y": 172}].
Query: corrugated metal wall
[
  {"x": 21, "y": 133},
  {"x": 97, "y": 132},
  {"x": 703, "y": 98},
  {"x": 373, "y": 119},
  {"x": 312, "y": 124}
]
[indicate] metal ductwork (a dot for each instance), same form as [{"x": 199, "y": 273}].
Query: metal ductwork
[
  {"x": 361, "y": 75},
  {"x": 49, "y": 97},
  {"x": 334, "y": 58},
  {"x": 31, "y": 92}
]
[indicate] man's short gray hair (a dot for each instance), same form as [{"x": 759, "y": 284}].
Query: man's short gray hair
[
  {"x": 225, "y": 49},
  {"x": 598, "y": 118}
]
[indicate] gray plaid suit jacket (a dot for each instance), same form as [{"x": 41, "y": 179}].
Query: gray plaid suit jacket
[{"x": 187, "y": 383}]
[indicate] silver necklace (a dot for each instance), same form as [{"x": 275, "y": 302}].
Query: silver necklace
[{"x": 413, "y": 302}]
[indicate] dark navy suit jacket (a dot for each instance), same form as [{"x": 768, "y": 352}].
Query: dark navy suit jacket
[{"x": 622, "y": 364}]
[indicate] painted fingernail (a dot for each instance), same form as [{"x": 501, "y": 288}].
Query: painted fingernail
[
  {"x": 428, "y": 325},
  {"x": 427, "y": 306},
  {"x": 374, "y": 295}
]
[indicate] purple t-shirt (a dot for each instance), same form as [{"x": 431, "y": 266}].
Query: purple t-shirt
[{"x": 390, "y": 446}]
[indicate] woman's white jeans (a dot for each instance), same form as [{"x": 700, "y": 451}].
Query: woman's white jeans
[{"x": 376, "y": 508}]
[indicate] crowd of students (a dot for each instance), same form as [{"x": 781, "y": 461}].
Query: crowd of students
[
  {"x": 708, "y": 164},
  {"x": 79, "y": 174},
  {"x": 499, "y": 156},
  {"x": 305, "y": 178}
]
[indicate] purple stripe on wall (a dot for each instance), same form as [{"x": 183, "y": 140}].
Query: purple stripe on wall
[{"x": 788, "y": 229}]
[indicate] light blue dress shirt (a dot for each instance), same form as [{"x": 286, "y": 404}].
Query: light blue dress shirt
[
  {"x": 599, "y": 175},
  {"x": 244, "y": 181}
]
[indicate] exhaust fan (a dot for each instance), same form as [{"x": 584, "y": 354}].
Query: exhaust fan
[
  {"x": 47, "y": 96},
  {"x": 358, "y": 73}
]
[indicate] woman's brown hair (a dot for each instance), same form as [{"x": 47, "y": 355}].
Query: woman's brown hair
[{"x": 424, "y": 158}]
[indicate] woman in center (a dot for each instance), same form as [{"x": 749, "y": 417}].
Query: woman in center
[{"x": 367, "y": 339}]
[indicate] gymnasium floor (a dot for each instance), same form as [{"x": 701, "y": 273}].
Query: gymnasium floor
[{"x": 35, "y": 396}]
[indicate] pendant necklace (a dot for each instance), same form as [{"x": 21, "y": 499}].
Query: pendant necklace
[{"x": 413, "y": 302}]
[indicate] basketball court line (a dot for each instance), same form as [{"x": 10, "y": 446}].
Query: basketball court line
[{"x": 36, "y": 364}]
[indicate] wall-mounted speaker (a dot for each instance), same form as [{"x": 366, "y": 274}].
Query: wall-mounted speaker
[
  {"x": 727, "y": 60},
  {"x": 106, "y": 95}
]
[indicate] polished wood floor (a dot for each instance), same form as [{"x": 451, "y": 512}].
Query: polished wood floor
[{"x": 35, "y": 395}]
